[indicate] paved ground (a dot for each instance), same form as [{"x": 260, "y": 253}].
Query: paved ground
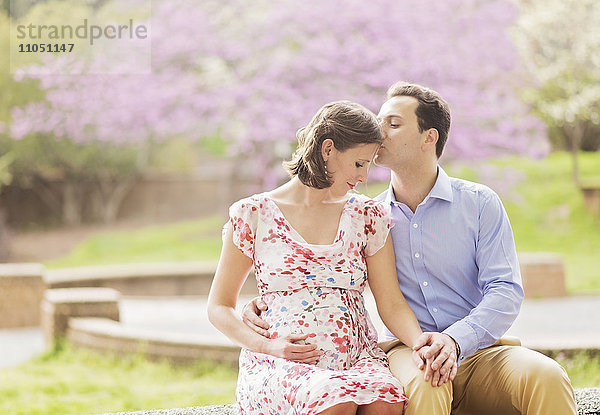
[
  {"x": 19, "y": 345},
  {"x": 561, "y": 323}
]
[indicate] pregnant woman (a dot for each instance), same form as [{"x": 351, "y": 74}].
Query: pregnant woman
[{"x": 314, "y": 244}]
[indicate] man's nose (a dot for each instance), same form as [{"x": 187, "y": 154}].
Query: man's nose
[{"x": 384, "y": 131}]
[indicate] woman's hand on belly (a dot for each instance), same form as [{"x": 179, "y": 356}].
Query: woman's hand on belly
[{"x": 293, "y": 347}]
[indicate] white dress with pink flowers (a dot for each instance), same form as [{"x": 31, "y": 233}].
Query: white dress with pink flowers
[{"x": 314, "y": 289}]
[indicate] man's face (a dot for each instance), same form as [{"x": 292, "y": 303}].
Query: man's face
[{"x": 402, "y": 139}]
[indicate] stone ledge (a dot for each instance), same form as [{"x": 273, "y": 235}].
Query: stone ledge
[
  {"x": 543, "y": 274},
  {"x": 591, "y": 197},
  {"x": 160, "y": 269},
  {"x": 144, "y": 279},
  {"x": 21, "y": 290},
  {"x": 81, "y": 295},
  {"x": 108, "y": 336},
  {"x": 197, "y": 410},
  {"x": 62, "y": 304},
  {"x": 25, "y": 269},
  {"x": 588, "y": 403}
]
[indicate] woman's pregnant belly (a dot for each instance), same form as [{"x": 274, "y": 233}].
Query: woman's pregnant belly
[{"x": 327, "y": 314}]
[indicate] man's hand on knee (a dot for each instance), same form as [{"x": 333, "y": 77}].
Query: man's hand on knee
[
  {"x": 440, "y": 357},
  {"x": 250, "y": 316}
]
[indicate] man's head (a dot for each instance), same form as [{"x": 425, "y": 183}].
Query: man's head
[{"x": 432, "y": 110}]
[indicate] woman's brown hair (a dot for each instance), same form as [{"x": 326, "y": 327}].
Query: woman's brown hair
[{"x": 346, "y": 123}]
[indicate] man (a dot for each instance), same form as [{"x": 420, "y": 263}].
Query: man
[{"x": 457, "y": 267}]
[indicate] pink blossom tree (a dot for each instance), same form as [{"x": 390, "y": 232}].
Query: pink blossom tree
[
  {"x": 99, "y": 130},
  {"x": 254, "y": 72},
  {"x": 296, "y": 56}
]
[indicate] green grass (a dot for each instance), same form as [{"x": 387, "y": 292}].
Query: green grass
[
  {"x": 198, "y": 240},
  {"x": 74, "y": 381},
  {"x": 583, "y": 369},
  {"x": 70, "y": 381}
]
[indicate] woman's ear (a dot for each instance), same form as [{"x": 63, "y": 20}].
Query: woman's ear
[{"x": 327, "y": 148}]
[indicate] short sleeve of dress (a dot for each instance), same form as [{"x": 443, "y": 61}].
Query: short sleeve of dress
[
  {"x": 378, "y": 222},
  {"x": 243, "y": 217}
]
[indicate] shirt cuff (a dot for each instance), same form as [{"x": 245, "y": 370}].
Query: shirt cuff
[{"x": 466, "y": 338}]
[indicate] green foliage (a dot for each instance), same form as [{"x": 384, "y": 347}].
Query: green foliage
[
  {"x": 184, "y": 241},
  {"x": 13, "y": 93},
  {"x": 583, "y": 369},
  {"x": 93, "y": 172},
  {"x": 215, "y": 145},
  {"x": 58, "y": 158},
  {"x": 71, "y": 381},
  {"x": 564, "y": 63},
  {"x": 175, "y": 155},
  {"x": 5, "y": 162}
]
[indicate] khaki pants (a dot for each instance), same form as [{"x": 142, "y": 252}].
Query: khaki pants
[{"x": 498, "y": 380}]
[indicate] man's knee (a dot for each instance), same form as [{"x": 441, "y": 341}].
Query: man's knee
[
  {"x": 420, "y": 393},
  {"x": 402, "y": 365},
  {"x": 426, "y": 399},
  {"x": 545, "y": 387},
  {"x": 535, "y": 367},
  {"x": 549, "y": 369},
  {"x": 419, "y": 386},
  {"x": 547, "y": 378}
]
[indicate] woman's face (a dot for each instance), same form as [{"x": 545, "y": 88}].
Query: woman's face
[{"x": 350, "y": 167}]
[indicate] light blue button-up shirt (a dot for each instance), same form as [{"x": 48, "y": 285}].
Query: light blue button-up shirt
[{"x": 457, "y": 263}]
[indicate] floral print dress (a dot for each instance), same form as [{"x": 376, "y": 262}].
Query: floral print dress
[{"x": 314, "y": 289}]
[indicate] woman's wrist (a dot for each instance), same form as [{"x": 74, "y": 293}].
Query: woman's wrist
[{"x": 263, "y": 345}]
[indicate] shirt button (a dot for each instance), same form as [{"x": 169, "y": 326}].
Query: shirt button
[
  {"x": 434, "y": 310},
  {"x": 415, "y": 225},
  {"x": 425, "y": 284},
  {"x": 417, "y": 255}
]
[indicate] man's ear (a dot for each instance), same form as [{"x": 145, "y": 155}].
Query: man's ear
[
  {"x": 431, "y": 138},
  {"x": 326, "y": 148}
]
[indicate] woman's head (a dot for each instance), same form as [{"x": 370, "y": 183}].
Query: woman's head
[{"x": 337, "y": 126}]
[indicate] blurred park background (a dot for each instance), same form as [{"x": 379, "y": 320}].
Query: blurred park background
[{"x": 104, "y": 168}]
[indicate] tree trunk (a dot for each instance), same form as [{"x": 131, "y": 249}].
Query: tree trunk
[
  {"x": 4, "y": 237},
  {"x": 591, "y": 137},
  {"x": 107, "y": 200},
  {"x": 72, "y": 206},
  {"x": 44, "y": 191},
  {"x": 574, "y": 133}
]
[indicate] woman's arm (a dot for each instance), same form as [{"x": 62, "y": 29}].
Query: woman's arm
[
  {"x": 391, "y": 304},
  {"x": 400, "y": 319},
  {"x": 232, "y": 270}
]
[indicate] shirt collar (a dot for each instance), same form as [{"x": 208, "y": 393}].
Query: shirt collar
[{"x": 442, "y": 189}]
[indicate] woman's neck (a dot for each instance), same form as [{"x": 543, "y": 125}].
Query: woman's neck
[{"x": 297, "y": 193}]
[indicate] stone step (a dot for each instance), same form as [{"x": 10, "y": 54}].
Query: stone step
[{"x": 588, "y": 403}]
